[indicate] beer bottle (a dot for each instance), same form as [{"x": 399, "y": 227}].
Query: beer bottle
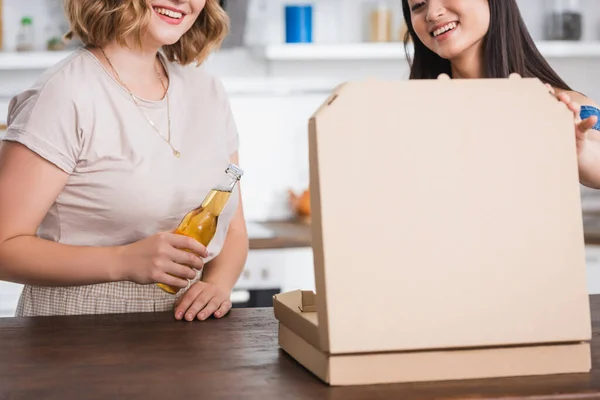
[{"x": 201, "y": 222}]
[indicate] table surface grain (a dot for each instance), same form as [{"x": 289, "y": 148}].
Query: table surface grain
[{"x": 152, "y": 356}]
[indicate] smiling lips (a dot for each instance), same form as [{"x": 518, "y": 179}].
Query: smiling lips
[
  {"x": 444, "y": 29},
  {"x": 169, "y": 15}
]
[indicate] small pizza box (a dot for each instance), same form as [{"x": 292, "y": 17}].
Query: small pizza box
[{"x": 447, "y": 235}]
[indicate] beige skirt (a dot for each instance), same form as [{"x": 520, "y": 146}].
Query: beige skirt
[{"x": 105, "y": 298}]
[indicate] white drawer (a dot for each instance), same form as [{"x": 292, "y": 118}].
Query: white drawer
[
  {"x": 592, "y": 264},
  {"x": 264, "y": 270},
  {"x": 9, "y": 297},
  {"x": 3, "y": 110},
  {"x": 284, "y": 269}
]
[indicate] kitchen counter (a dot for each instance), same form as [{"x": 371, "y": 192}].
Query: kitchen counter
[
  {"x": 279, "y": 235},
  {"x": 152, "y": 356},
  {"x": 291, "y": 234},
  {"x": 591, "y": 227}
]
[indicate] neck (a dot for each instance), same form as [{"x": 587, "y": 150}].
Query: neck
[
  {"x": 133, "y": 62},
  {"x": 136, "y": 68},
  {"x": 469, "y": 65}
]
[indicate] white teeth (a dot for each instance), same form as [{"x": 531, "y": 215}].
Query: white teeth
[
  {"x": 444, "y": 29},
  {"x": 168, "y": 13}
]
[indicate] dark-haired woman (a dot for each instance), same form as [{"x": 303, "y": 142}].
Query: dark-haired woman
[{"x": 489, "y": 39}]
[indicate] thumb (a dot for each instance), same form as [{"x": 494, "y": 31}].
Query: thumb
[{"x": 588, "y": 123}]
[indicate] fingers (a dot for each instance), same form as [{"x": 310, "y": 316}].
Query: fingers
[
  {"x": 573, "y": 106},
  {"x": 181, "y": 271},
  {"x": 587, "y": 124},
  {"x": 187, "y": 258},
  {"x": 224, "y": 309},
  {"x": 565, "y": 98},
  {"x": 187, "y": 243},
  {"x": 173, "y": 281},
  {"x": 212, "y": 306},
  {"x": 199, "y": 304},
  {"x": 186, "y": 301},
  {"x": 581, "y": 126}
]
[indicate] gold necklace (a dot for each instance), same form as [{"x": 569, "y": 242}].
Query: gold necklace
[{"x": 176, "y": 153}]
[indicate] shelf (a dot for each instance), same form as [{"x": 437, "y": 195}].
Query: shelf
[
  {"x": 569, "y": 49},
  {"x": 284, "y": 86},
  {"x": 310, "y": 52},
  {"x": 395, "y": 51},
  {"x": 37, "y": 60},
  {"x": 332, "y": 52}
]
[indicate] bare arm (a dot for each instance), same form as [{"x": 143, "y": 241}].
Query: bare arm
[
  {"x": 589, "y": 165},
  {"x": 225, "y": 269},
  {"x": 28, "y": 187}
]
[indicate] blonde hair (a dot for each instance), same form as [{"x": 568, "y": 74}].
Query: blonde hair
[{"x": 98, "y": 22}]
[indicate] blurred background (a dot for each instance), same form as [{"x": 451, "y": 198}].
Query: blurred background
[{"x": 280, "y": 61}]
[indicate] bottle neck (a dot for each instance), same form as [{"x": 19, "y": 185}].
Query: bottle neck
[
  {"x": 227, "y": 183},
  {"x": 217, "y": 198}
]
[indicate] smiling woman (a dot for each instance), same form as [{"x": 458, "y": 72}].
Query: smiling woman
[
  {"x": 197, "y": 26},
  {"x": 106, "y": 153},
  {"x": 489, "y": 39}
]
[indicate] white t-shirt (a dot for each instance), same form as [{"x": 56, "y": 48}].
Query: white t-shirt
[{"x": 124, "y": 182}]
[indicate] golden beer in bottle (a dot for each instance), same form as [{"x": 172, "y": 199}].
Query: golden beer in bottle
[{"x": 201, "y": 222}]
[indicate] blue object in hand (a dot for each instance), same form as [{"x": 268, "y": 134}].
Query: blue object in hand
[
  {"x": 589, "y": 111},
  {"x": 298, "y": 23}
]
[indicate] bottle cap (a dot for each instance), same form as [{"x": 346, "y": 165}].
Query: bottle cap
[
  {"x": 234, "y": 169},
  {"x": 26, "y": 21}
]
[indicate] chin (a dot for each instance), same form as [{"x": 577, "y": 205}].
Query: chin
[
  {"x": 165, "y": 38},
  {"x": 449, "y": 54},
  {"x": 451, "y": 49},
  {"x": 167, "y": 41}
]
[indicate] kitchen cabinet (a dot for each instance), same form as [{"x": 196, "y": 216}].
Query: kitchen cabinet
[
  {"x": 283, "y": 269},
  {"x": 271, "y": 271},
  {"x": 592, "y": 262},
  {"x": 9, "y": 296}
]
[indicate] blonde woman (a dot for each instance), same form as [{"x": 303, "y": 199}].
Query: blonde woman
[{"x": 106, "y": 153}]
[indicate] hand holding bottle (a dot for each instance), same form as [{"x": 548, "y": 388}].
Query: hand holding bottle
[
  {"x": 201, "y": 222},
  {"x": 162, "y": 258}
]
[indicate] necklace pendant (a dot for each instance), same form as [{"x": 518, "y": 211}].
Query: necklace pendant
[{"x": 176, "y": 153}]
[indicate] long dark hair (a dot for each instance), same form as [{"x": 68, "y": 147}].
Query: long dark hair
[{"x": 508, "y": 48}]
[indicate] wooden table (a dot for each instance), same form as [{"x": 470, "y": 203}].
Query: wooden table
[{"x": 152, "y": 356}]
